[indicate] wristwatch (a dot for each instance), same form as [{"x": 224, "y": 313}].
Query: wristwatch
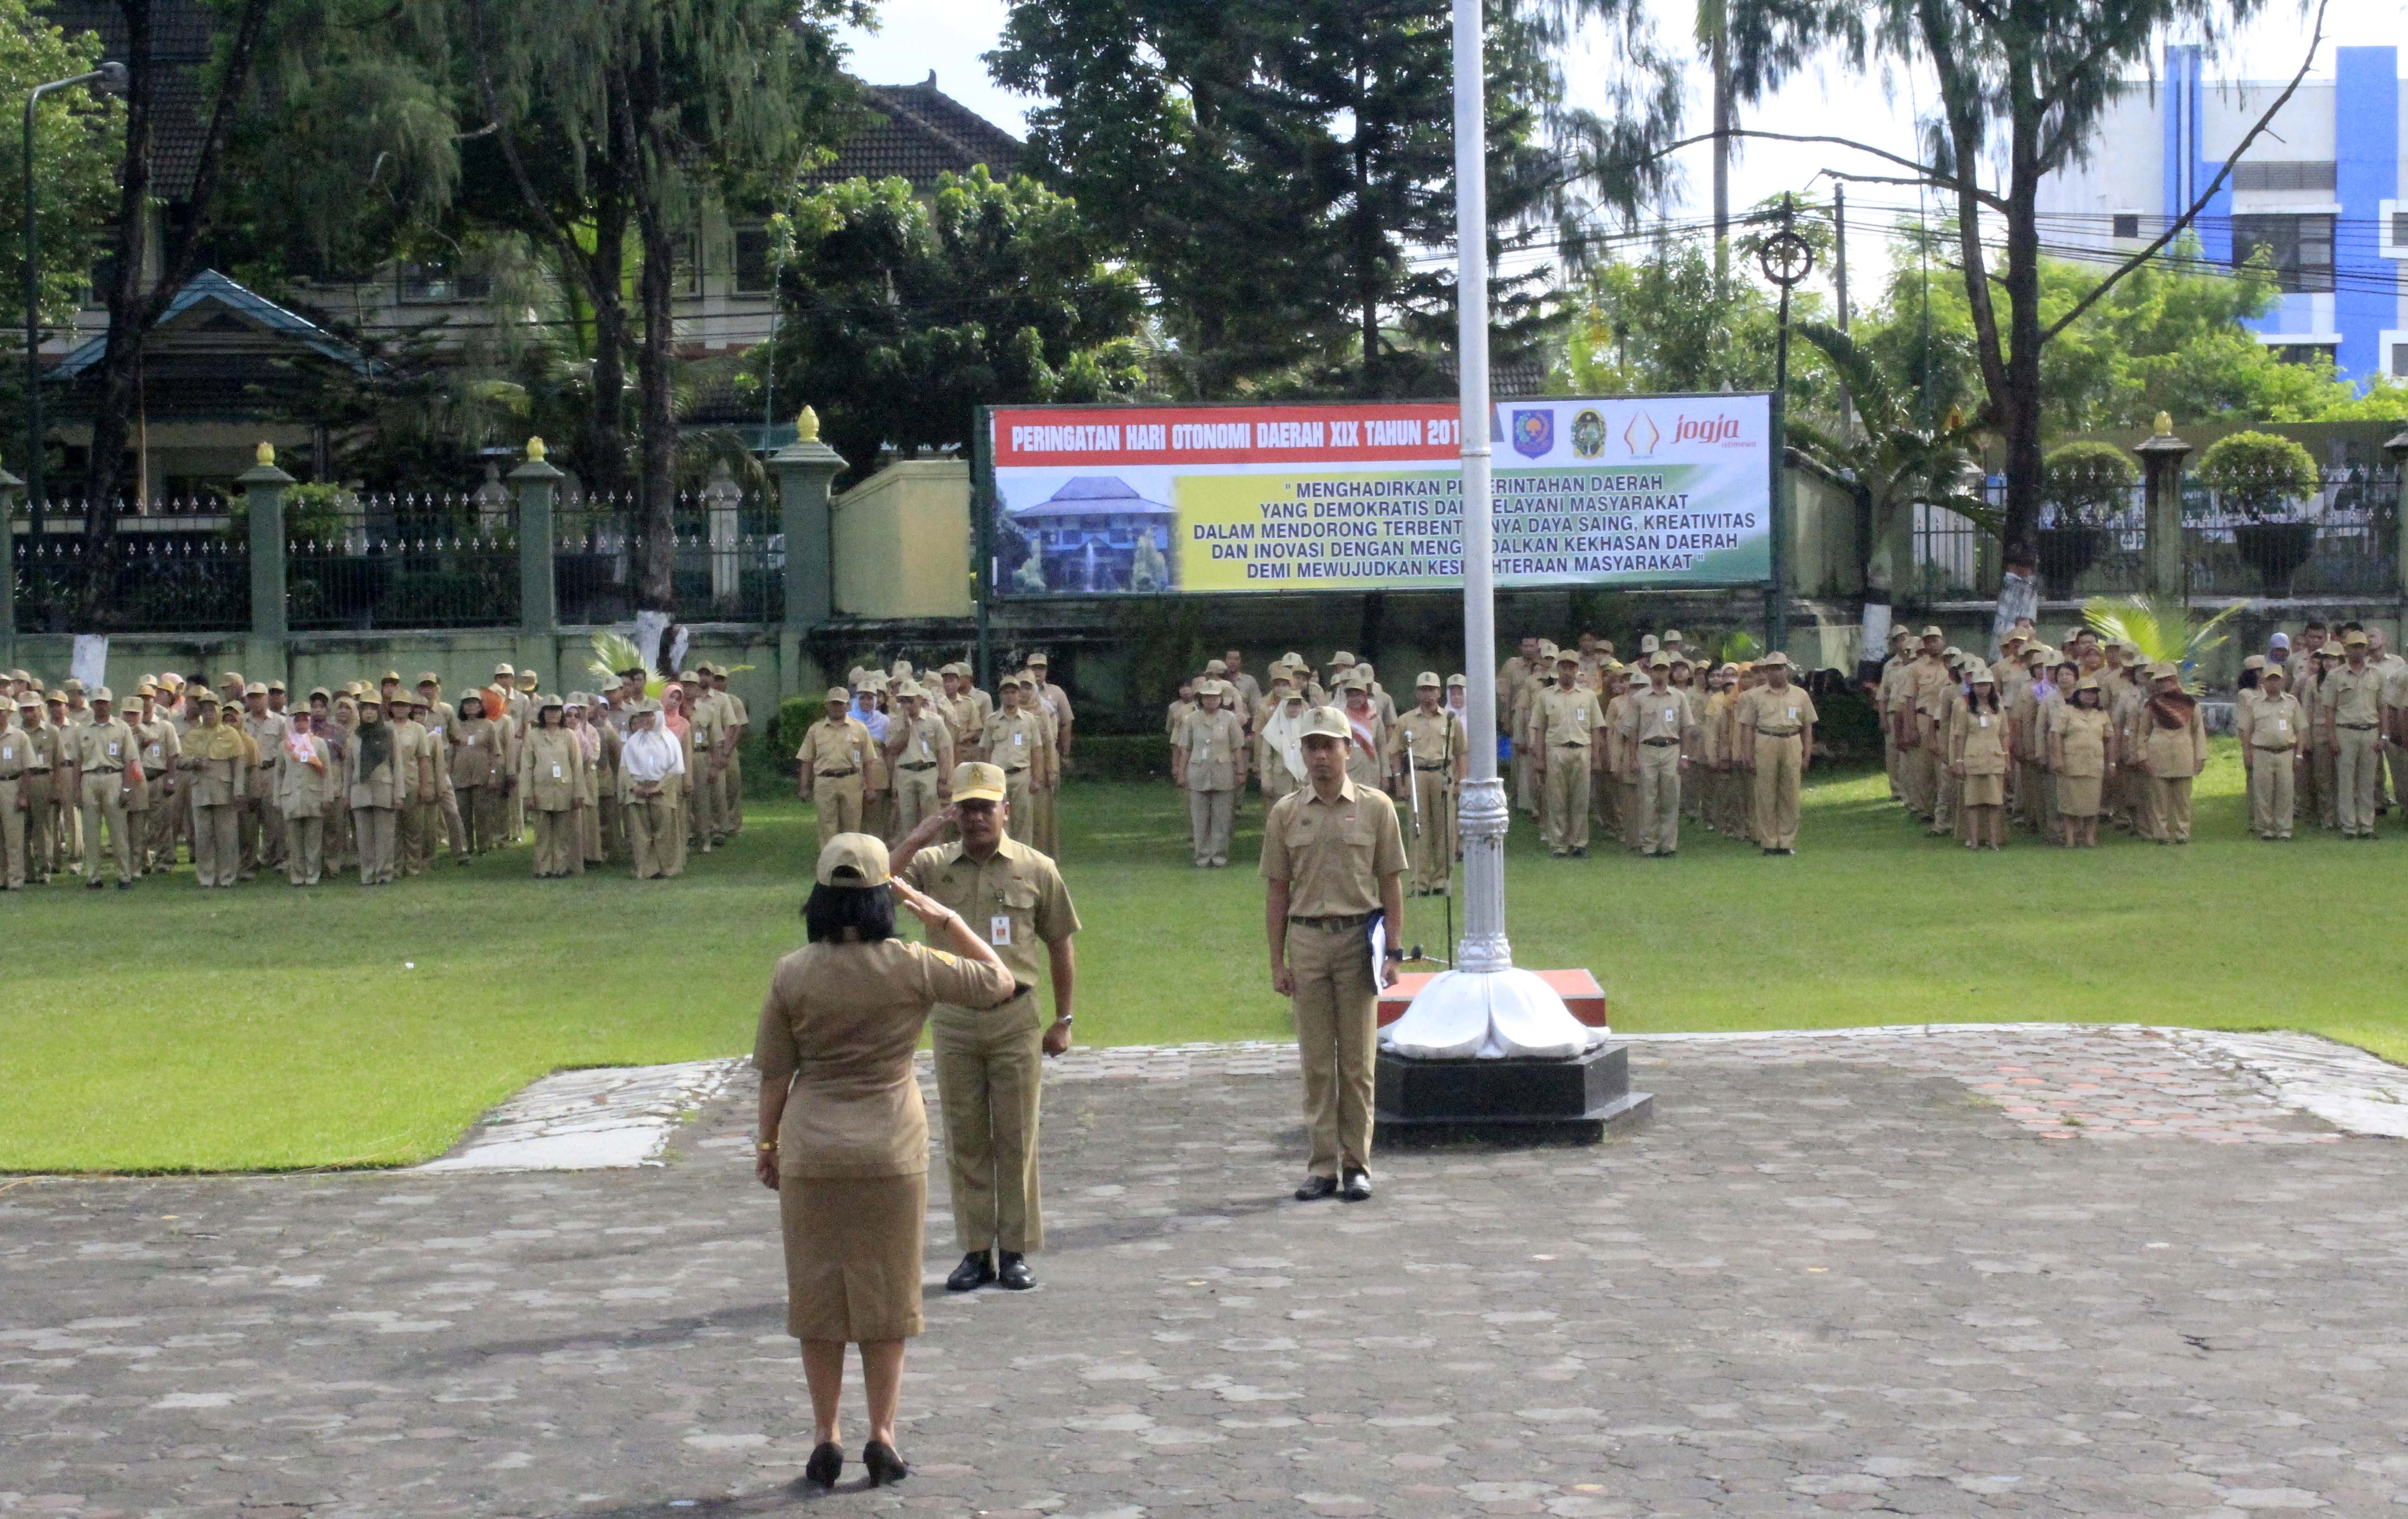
[{"x": 763, "y": 1146}]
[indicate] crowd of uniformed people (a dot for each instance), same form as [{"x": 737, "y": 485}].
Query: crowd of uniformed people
[
  {"x": 381, "y": 776},
  {"x": 2064, "y": 738}
]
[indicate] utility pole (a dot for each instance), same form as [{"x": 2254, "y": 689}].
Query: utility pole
[{"x": 110, "y": 77}]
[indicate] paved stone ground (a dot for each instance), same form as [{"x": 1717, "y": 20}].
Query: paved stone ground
[{"x": 1827, "y": 1278}]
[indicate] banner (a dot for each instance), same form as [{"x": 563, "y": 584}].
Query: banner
[{"x": 1638, "y": 490}]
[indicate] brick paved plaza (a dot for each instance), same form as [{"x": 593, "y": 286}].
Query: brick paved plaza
[{"x": 1857, "y": 1273}]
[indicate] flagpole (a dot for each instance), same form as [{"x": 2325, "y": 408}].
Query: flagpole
[{"x": 1484, "y": 812}]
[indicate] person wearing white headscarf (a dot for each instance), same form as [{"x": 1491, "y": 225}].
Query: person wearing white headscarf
[{"x": 1282, "y": 741}]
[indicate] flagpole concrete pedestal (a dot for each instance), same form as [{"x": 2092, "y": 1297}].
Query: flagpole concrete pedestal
[{"x": 1421, "y": 1102}]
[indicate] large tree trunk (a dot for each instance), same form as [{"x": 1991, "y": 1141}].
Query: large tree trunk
[
  {"x": 121, "y": 354},
  {"x": 605, "y": 429},
  {"x": 656, "y": 588},
  {"x": 2020, "y": 418}
]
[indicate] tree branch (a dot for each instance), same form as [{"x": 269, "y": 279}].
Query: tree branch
[
  {"x": 2173, "y": 230},
  {"x": 570, "y": 254},
  {"x": 239, "y": 56},
  {"x": 1928, "y": 174}
]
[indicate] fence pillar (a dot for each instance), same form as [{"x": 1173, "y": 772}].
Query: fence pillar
[
  {"x": 2397, "y": 448},
  {"x": 806, "y": 468},
  {"x": 720, "y": 499},
  {"x": 539, "y": 583},
  {"x": 262, "y": 486},
  {"x": 10, "y": 486},
  {"x": 2162, "y": 557}
]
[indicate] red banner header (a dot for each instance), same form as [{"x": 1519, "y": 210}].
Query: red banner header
[{"x": 1366, "y": 431}]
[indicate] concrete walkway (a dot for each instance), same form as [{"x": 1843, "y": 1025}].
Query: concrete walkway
[{"x": 1836, "y": 1273}]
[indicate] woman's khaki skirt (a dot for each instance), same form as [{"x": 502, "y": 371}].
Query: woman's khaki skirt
[
  {"x": 2077, "y": 796},
  {"x": 1983, "y": 791},
  {"x": 853, "y": 1256}
]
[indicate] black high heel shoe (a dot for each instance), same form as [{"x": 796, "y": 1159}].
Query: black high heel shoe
[
  {"x": 883, "y": 1464},
  {"x": 826, "y": 1464}
]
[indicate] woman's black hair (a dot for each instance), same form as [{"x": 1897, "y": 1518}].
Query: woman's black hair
[
  {"x": 869, "y": 911},
  {"x": 2248, "y": 680},
  {"x": 1973, "y": 697},
  {"x": 2094, "y": 691}
]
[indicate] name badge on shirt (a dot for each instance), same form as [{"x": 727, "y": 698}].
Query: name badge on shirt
[
  {"x": 1668, "y": 714},
  {"x": 1016, "y": 739},
  {"x": 1986, "y": 717},
  {"x": 112, "y": 749},
  {"x": 998, "y": 930},
  {"x": 1793, "y": 714},
  {"x": 555, "y": 772},
  {"x": 2282, "y": 725}
]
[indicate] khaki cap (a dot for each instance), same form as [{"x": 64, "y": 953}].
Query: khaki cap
[
  {"x": 1659, "y": 661},
  {"x": 71, "y": 686},
  {"x": 1014, "y": 682},
  {"x": 1929, "y": 632},
  {"x": 2037, "y": 655},
  {"x": 1036, "y": 661},
  {"x": 1426, "y": 678},
  {"x": 317, "y": 692},
  {"x": 146, "y": 688},
  {"x": 255, "y": 689},
  {"x": 1340, "y": 659},
  {"x": 394, "y": 676},
  {"x": 1672, "y": 635},
  {"x": 527, "y": 679},
  {"x": 230, "y": 678},
  {"x": 275, "y": 686},
  {"x": 1294, "y": 661},
  {"x": 1326, "y": 723},
  {"x": 1898, "y": 633},
  {"x": 204, "y": 698},
  {"x": 2089, "y": 682},
  {"x": 542, "y": 702},
  {"x": 2355, "y": 640},
  {"x": 1454, "y": 681},
  {"x": 1776, "y": 657},
  {"x": 860, "y": 857},
  {"x": 429, "y": 678},
  {"x": 2274, "y": 672},
  {"x": 840, "y": 695},
  {"x": 1567, "y": 656},
  {"x": 907, "y": 687},
  {"x": 2255, "y": 662},
  {"x": 1547, "y": 647},
  {"x": 1727, "y": 667},
  {"x": 1981, "y": 676},
  {"x": 103, "y": 693},
  {"x": 1216, "y": 667},
  {"x": 1649, "y": 643},
  {"x": 504, "y": 669},
  {"x": 706, "y": 668},
  {"x": 2165, "y": 670},
  {"x": 976, "y": 781}
]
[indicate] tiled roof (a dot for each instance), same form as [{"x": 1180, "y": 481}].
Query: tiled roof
[
  {"x": 921, "y": 133},
  {"x": 181, "y": 32}
]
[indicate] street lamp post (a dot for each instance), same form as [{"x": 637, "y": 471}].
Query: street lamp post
[{"x": 110, "y": 77}]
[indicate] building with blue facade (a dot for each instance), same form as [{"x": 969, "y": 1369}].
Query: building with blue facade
[{"x": 2319, "y": 192}]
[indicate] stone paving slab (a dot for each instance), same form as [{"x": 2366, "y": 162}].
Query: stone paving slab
[
  {"x": 589, "y": 1120},
  {"x": 1815, "y": 1283}
]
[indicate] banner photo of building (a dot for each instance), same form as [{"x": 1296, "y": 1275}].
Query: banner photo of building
[{"x": 1636, "y": 491}]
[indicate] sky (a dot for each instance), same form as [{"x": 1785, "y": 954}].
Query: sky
[{"x": 948, "y": 36}]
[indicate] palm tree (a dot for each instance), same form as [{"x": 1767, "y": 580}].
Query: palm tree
[
  {"x": 1895, "y": 457},
  {"x": 2162, "y": 626}
]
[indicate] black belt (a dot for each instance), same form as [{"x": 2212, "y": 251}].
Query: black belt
[
  {"x": 2357, "y": 727},
  {"x": 1768, "y": 733},
  {"x": 1017, "y": 770},
  {"x": 2275, "y": 748},
  {"x": 930, "y": 766},
  {"x": 1441, "y": 764},
  {"x": 1658, "y": 743},
  {"x": 1335, "y": 922},
  {"x": 837, "y": 775},
  {"x": 106, "y": 769}
]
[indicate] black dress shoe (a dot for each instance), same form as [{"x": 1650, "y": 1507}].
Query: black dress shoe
[
  {"x": 1358, "y": 1186},
  {"x": 883, "y": 1464},
  {"x": 1011, "y": 1272},
  {"x": 1317, "y": 1187},
  {"x": 826, "y": 1464},
  {"x": 975, "y": 1272}
]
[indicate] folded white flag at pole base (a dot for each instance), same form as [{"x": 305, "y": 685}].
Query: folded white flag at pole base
[{"x": 1489, "y": 1015}]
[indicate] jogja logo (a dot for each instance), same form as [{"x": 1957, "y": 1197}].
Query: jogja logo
[
  {"x": 1641, "y": 435},
  {"x": 1717, "y": 429}
]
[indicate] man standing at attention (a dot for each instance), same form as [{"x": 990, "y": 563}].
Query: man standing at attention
[
  {"x": 1333, "y": 862},
  {"x": 1776, "y": 743},
  {"x": 2355, "y": 694},
  {"x": 104, "y": 749},
  {"x": 1427, "y": 750},
  {"x": 919, "y": 753},
  {"x": 1564, "y": 728},
  {"x": 1207, "y": 760},
  {"x": 1660, "y": 730},
  {"x": 987, "y": 1063},
  {"x": 834, "y": 761}
]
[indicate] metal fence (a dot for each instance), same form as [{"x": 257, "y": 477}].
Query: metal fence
[
  {"x": 174, "y": 567},
  {"x": 400, "y": 561},
  {"x": 728, "y": 559}
]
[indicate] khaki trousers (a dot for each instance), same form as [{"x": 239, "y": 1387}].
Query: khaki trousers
[
  {"x": 1890, "y": 762},
  {"x": 217, "y": 844},
  {"x": 651, "y": 823},
  {"x": 915, "y": 797},
  {"x": 12, "y": 835},
  {"x": 603, "y": 843},
  {"x": 1565, "y": 818},
  {"x": 305, "y": 850},
  {"x": 558, "y": 849},
  {"x": 1021, "y": 803},
  {"x": 2356, "y": 763},
  {"x": 1525, "y": 795},
  {"x": 1209, "y": 816},
  {"x": 2170, "y": 807},
  {"x": 1921, "y": 778},
  {"x": 41, "y": 826},
  {"x": 103, "y": 801},
  {"x": 373, "y": 828},
  {"x": 733, "y": 812},
  {"x": 488, "y": 816},
  {"x": 1777, "y": 776},
  {"x": 2273, "y": 785},
  {"x": 1047, "y": 802},
  {"x": 1430, "y": 829},
  {"x": 1943, "y": 798},
  {"x": 989, "y": 1067},
  {"x": 1659, "y": 798},
  {"x": 1336, "y": 1005},
  {"x": 159, "y": 838},
  {"x": 455, "y": 827},
  {"x": 2324, "y": 767},
  {"x": 420, "y": 818},
  {"x": 836, "y": 799}
]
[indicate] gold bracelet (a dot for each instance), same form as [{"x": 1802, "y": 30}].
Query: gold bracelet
[{"x": 763, "y": 1146}]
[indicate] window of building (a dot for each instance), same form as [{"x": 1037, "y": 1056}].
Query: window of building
[
  {"x": 685, "y": 271},
  {"x": 754, "y": 273},
  {"x": 2296, "y": 174},
  {"x": 436, "y": 284},
  {"x": 2305, "y": 353},
  {"x": 2128, "y": 224},
  {"x": 2301, "y": 247},
  {"x": 2400, "y": 361},
  {"x": 2398, "y": 229}
]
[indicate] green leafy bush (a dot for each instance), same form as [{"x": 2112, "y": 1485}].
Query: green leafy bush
[
  {"x": 2087, "y": 482},
  {"x": 2259, "y": 472}
]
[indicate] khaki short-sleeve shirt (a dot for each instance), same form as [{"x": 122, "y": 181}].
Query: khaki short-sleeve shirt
[
  {"x": 1777, "y": 714},
  {"x": 838, "y": 1029},
  {"x": 2272, "y": 722},
  {"x": 101, "y": 746},
  {"x": 2357, "y": 696},
  {"x": 1014, "y": 899},
  {"x": 1332, "y": 855}
]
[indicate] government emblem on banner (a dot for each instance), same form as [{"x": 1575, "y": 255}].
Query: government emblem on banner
[
  {"x": 1534, "y": 433},
  {"x": 1588, "y": 433}
]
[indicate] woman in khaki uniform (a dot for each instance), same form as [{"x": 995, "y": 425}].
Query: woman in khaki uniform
[
  {"x": 843, "y": 1137},
  {"x": 1977, "y": 755},
  {"x": 2082, "y": 751},
  {"x": 216, "y": 759},
  {"x": 551, "y": 779},
  {"x": 372, "y": 779},
  {"x": 2172, "y": 750},
  {"x": 301, "y": 785},
  {"x": 477, "y": 774}
]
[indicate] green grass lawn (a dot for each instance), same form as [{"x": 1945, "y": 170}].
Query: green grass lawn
[{"x": 169, "y": 1028}]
